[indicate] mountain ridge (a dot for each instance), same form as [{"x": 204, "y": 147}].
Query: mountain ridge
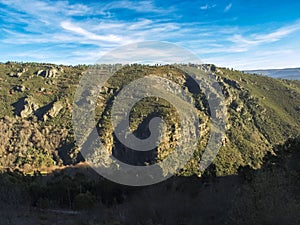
[{"x": 262, "y": 112}]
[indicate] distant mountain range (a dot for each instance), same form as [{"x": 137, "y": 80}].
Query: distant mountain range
[{"x": 290, "y": 73}]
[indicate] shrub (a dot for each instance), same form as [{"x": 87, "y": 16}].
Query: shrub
[{"x": 84, "y": 201}]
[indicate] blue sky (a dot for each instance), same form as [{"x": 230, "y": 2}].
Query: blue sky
[{"x": 244, "y": 34}]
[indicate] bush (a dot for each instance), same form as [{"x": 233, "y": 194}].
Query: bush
[{"x": 84, "y": 201}]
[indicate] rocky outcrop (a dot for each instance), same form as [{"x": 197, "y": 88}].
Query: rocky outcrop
[
  {"x": 25, "y": 107},
  {"x": 18, "y": 73},
  {"x": 208, "y": 68},
  {"x": 232, "y": 83},
  {"x": 54, "y": 111},
  {"x": 48, "y": 73}
]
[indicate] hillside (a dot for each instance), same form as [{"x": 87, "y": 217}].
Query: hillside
[{"x": 37, "y": 101}]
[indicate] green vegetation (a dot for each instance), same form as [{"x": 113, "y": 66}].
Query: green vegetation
[
  {"x": 79, "y": 196},
  {"x": 36, "y": 111}
]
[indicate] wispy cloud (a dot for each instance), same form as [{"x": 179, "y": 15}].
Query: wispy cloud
[
  {"x": 228, "y": 7},
  {"x": 207, "y": 6},
  {"x": 44, "y": 9},
  {"x": 65, "y": 32},
  {"x": 47, "y": 22},
  {"x": 257, "y": 39},
  {"x": 89, "y": 35},
  {"x": 139, "y": 6}
]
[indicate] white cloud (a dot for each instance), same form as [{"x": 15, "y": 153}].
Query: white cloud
[
  {"x": 257, "y": 39},
  {"x": 138, "y": 6},
  {"x": 44, "y": 10},
  {"x": 207, "y": 6},
  {"x": 204, "y": 7},
  {"x": 46, "y": 23},
  {"x": 228, "y": 7},
  {"x": 88, "y": 35}
]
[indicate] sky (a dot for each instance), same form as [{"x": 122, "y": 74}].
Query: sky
[{"x": 239, "y": 34}]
